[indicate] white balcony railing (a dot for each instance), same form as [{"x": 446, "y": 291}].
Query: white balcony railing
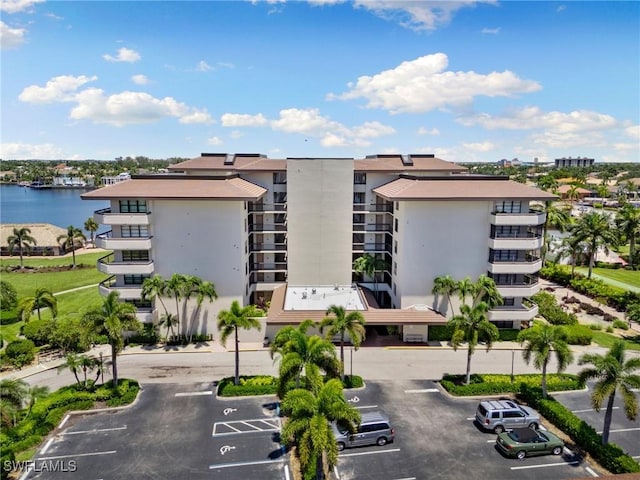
[
  {"x": 107, "y": 217},
  {"x": 127, "y": 292},
  {"x": 518, "y": 290},
  {"x": 125, "y": 268},
  {"x": 511, "y": 243},
  {"x": 515, "y": 267},
  {"x": 108, "y": 242},
  {"x": 522, "y": 313},
  {"x": 514, "y": 219}
]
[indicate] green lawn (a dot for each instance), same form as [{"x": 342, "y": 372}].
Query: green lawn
[
  {"x": 75, "y": 303},
  {"x": 84, "y": 259},
  {"x": 606, "y": 340},
  {"x": 621, "y": 275}
]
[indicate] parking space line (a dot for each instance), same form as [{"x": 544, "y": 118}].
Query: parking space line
[
  {"x": 76, "y": 455},
  {"x": 243, "y": 464},
  {"x": 252, "y": 426},
  {"x": 46, "y": 446},
  {"x": 286, "y": 472},
  {"x": 367, "y": 406},
  {"x": 368, "y": 453},
  {"x": 622, "y": 430},
  {"x": 558, "y": 464},
  {"x": 97, "y": 430},
  {"x": 192, "y": 394},
  {"x": 407, "y": 478},
  {"x": 64, "y": 420},
  {"x": 591, "y": 472},
  {"x": 423, "y": 390},
  {"x": 589, "y": 410}
]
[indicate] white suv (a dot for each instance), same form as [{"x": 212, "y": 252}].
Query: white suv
[{"x": 501, "y": 415}]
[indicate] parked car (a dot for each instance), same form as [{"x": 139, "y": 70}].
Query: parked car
[
  {"x": 501, "y": 415},
  {"x": 524, "y": 442},
  {"x": 375, "y": 428}
]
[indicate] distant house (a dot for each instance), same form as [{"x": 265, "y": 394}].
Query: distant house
[
  {"x": 8, "y": 176},
  {"x": 45, "y": 234},
  {"x": 68, "y": 181},
  {"x": 116, "y": 179},
  {"x": 563, "y": 191},
  {"x": 574, "y": 162}
]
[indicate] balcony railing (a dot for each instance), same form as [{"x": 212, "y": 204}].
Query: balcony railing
[
  {"x": 108, "y": 242},
  {"x": 126, "y": 292},
  {"x": 268, "y": 227},
  {"x": 372, "y": 247},
  {"x": 262, "y": 277},
  {"x": 261, "y": 247},
  {"x": 529, "y": 218},
  {"x": 107, "y": 217},
  {"x": 107, "y": 264},
  {"x": 526, "y": 280},
  {"x": 268, "y": 207},
  {"x": 268, "y": 266},
  {"x": 507, "y": 313}
]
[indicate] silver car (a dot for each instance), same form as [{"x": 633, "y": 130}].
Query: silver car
[
  {"x": 501, "y": 415},
  {"x": 374, "y": 429}
]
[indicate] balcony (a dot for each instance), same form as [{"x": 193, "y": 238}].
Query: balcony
[
  {"x": 377, "y": 208},
  {"x": 127, "y": 292},
  {"x": 267, "y": 247},
  {"x": 144, "y": 315},
  {"x": 372, "y": 247},
  {"x": 507, "y": 313},
  {"x": 531, "y": 242},
  {"x": 267, "y": 207},
  {"x": 372, "y": 227},
  {"x": 526, "y": 266},
  {"x": 528, "y": 218},
  {"x": 107, "y": 265},
  {"x": 107, "y": 217},
  {"x": 108, "y": 242},
  {"x": 268, "y": 266},
  {"x": 526, "y": 287}
]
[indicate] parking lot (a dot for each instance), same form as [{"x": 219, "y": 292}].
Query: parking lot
[{"x": 184, "y": 431}]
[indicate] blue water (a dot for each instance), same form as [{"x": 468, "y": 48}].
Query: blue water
[{"x": 59, "y": 206}]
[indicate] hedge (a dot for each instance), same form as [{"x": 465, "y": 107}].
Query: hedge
[
  {"x": 20, "y": 352},
  {"x": 610, "y": 456},
  {"x": 443, "y": 333},
  {"x": 494, "y": 384},
  {"x": 579, "y": 334},
  {"x": 267, "y": 385}
]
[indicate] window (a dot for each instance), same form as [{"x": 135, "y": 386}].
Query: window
[
  {"x": 395, "y": 224},
  {"x": 280, "y": 178},
  {"x": 134, "y": 231},
  {"x": 133, "y": 206},
  {"x": 495, "y": 414},
  {"x": 279, "y": 218},
  {"x": 508, "y": 301},
  {"x": 502, "y": 231},
  {"x": 246, "y": 247},
  {"x": 139, "y": 303},
  {"x": 359, "y": 178},
  {"x": 395, "y": 246},
  {"x": 395, "y": 268},
  {"x": 134, "y": 279},
  {"x": 135, "y": 255},
  {"x": 279, "y": 197},
  {"x": 512, "y": 414},
  {"x": 509, "y": 206},
  {"x": 505, "y": 255},
  {"x": 503, "y": 324},
  {"x": 395, "y": 292},
  {"x": 358, "y": 218},
  {"x": 358, "y": 197},
  {"x": 397, "y": 204}
]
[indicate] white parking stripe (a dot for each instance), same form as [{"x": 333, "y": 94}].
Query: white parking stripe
[
  {"x": 252, "y": 426},
  {"x": 286, "y": 472},
  {"x": 367, "y": 406},
  {"x": 588, "y": 410},
  {"x": 622, "y": 430},
  {"x": 423, "y": 390},
  {"x": 559, "y": 464},
  {"x": 368, "y": 453},
  {"x": 64, "y": 420},
  {"x": 591, "y": 472},
  {"x": 94, "y": 431},
  {"x": 46, "y": 446},
  {"x": 242, "y": 464},
  {"x": 76, "y": 455},
  {"x": 192, "y": 394}
]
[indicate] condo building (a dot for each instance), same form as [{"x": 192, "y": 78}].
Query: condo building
[{"x": 286, "y": 233}]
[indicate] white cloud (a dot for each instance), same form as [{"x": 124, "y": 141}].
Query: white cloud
[
  {"x": 15, "y": 6},
  {"x": 633, "y": 131},
  {"x": 140, "y": 79},
  {"x": 203, "y": 66},
  {"x": 534, "y": 118},
  {"x": 214, "y": 141},
  {"x": 423, "y": 84},
  {"x": 124, "y": 55},
  {"x": 58, "y": 89},
  {"x": 20, "y": 151},
  {"x": 418, "y": 16},
  {"x": 480, "y": 147},
  {"x": 555, "y": 139},
  {"x": 426, "y": 131},
  {"x": 11, "y": 37},
  {"x": 490, "y": 31},
  {"x": 196, "y": 116},
  {"x": 243, "y": 120},
  {"x": 372, "y": 130},
  {"x": 236, "y": 134}
]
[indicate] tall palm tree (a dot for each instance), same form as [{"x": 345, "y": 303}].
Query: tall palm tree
[
  {"x": 71, "y": 362},
  {"x": 556, "y": 216},
  {"x": 541, "y": 342},
  {"x": 465, "y": 287},
  {"x": 308, "y": 425},
  {"x": 22, "y": 239},
  {"x": 169, "y": 320},
  {"x": 35, "y": 393},
  {"x": 613, "y": 373},
  {"x": 284, "y": 337},
  {"x": 42, "y": 298},
  {"x": 72, "y": 239},
  {"x": 445, "y": 285},
  {"x": 155, "y": 287},
  {"x": 351, "y": 323},
  {"x": 204, "y": 290},
  {"x": 485, "y": 290},
  {"x": 174, "y": 288},
  {"x": 91, "y": 226},
  {"x": 113, "y": 319},
  {"x": 595, "y": 230},
  {"x": 470, "y": 326},
  {"x": 574, "y": 249},
  {"x": 370, "y": 265},
  {"x": 13, "y": 395},
  {"x": 628, "y": 222},
  {"x": 229, "y": 321},
  {"x": 603, "y": 193},
  {"x": 573, "y": 194}
]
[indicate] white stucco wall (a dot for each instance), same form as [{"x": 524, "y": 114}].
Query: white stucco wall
[
  {"x": 319, "y": 215},
  {"x": 438, "y": 238}
]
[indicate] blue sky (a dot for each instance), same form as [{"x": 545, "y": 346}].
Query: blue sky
[{"x": 469, "y": 81}]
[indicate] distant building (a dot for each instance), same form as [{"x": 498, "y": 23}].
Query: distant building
[
  {"x": 67, "y": 181},
  {"x": 509, "y": 163},
  {"x": 45, "y": 235},
  {"x": 574, "y": 162},
  {"x": 116, "y": 179}
]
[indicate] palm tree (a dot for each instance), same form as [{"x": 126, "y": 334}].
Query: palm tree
[
  {"x": 628, "y": 222},
  {"x": 174, "y": 287},
  {"x": 229, "y": 321},
  {"x": 572, "y": 248},
  {"x": 370, "y": 265},
  {"x": 155, "y": 287},
  {"x": 113, "y": 318},
  {"x": 35, "y": 393},
  {"x": 91, "y": 226},
  {"x": 72, "y": 239},
  {"x": 22, "y": 239},
  {"x": 76, "y": 363},
  {"x": 603, "y": 193},
  {"x": 13, "y": 395},
  {"x": 613, "y": 373},
  {"x": 595, "y": 230},
  {"x": 573, "y": 194},
  {"x": 308, "y": 425},
  {"x": 445, "y": 285},
  {"x": 72, "y": 362},
  {"x": 204, "y": 290},
  {"x": 471, "y": 326},
  {"x": 42, "y": 298},
  {"x": 351, "y": 323},
  {"x": 464, "y": 288},
  {"x": 540, "y": 342},
  {"x": 556, "y": 216},
  {"x": 485, "y": 290},
  {"x": 169, "y": 320}
]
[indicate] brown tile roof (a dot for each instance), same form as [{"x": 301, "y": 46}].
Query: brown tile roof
[
  {"x": 566, "y": 188},
  {"x": 180, "y": 188},
  {"x": 393, "y": 163},
  {"x": 472, "y": 188},
  {"x": 377, "y": 316},
  {"x": 247, "y": 163},
  {"x": 45, "y": 234}
]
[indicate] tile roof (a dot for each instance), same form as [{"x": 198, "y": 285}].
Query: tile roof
[
  {"x": 393, "y": 163},
  {"x": 180, "y": 188},
  {"x": 45, "y": 234},
  {"x": 247, "y": 163},
  {"x": 448, "y": 188}
]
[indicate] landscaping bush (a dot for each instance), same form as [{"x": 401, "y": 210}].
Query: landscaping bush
[
  {"x": 38, "y": 331},
  {"x": 579, "y": 335},
  {"x": 7, "y": 317},
  {"x": 353, "y": 381},
  {"x": 551, "y": 311},
  {"x": 20, "y": 352},
  {"x": 620, "y": 324},
  {"x": 249, "y": 386},
  {"x": 494, "y": 384},
  {"x": 607, "y": 317},
  {"x": 595, "y": 326},
  {"x": 508, "y": 334},
  {"x": 439, "y": 333}
]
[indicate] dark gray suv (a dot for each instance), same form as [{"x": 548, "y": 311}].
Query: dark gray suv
[{"x": 501, "y": 415}]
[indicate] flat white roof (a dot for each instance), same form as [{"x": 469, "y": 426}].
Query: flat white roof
[{"x": 307, "y": 297}]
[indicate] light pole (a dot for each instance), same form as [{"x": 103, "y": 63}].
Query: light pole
[
  {"x": 512, "y": 358},
  {"x": 351, "y": 363}
]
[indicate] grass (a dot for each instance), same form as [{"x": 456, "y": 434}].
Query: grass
[
  {"x": 628, "y": 277},
  {"x": 607, "y": 340},
  {"x": 10, "y": 332},
  {"x": 74, "y": 303},
  {"x": 83, "y": 259}
]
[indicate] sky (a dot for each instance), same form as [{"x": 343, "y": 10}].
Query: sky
[{"x": 469, "y": 81}]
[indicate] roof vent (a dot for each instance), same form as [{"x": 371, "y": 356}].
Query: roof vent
[
  {"x": 229, "y": 159},
  {"x": 407, "y": 160}
]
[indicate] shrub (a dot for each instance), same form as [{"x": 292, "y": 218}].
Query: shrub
[
  {"x": 439, "y": 333},
  {"x": 38, "y": 331},
  {"x": 609, "y": 329},
  {"x": 353, "y": 381},
  {"x": 579, "y": 335},
  {"x": 7, "y": 317},
  {"x": 607, "y": 317},
  {"x": 620, "y": 324},
  {"x": 551, "y": 311},
  {"x": 508, "y": 334},
  {"x": 20, "y": 352},
  {"x": 249, "y": 385},
  {"x": 595, "y": 326},
  {"x": 483, "y": 384}
]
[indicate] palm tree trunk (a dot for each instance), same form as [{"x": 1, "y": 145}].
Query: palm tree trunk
[
  {"x": 608, "y": 414},
  {"x": 73, "y": 253},
  {"x": 237, "y": 380},
  {"x": 544, "y": 380},
  {"x": 38, "y": 310},
  {"x": 468, "y": 366},
  {"x": 84, "y": 371},
  {"x": 21, "y": 259},
  {"x": 75, "y": 374},
  {"x": 592, "y": 258},
  {"x": 342, "y": 357},
  {"x": 114, "y": 366}
]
